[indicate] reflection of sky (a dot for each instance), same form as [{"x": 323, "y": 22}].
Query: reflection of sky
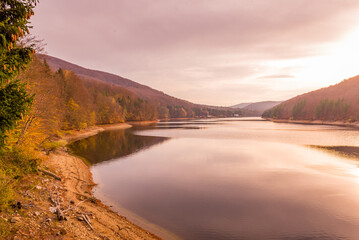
[
  {"x": 264, "y": 131},
  {"x": 219, "y": 187},
  {"x": 210, "y": 52}
]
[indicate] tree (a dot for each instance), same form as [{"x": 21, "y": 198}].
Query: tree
[
  {"x": 14, "y": 100},
  {"x": 298, "y": 111}
]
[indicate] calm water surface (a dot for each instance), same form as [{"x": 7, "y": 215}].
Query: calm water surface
[{"x": 231, "y": 179}]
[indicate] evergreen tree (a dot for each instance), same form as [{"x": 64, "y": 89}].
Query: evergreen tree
[{"x": 14, "y": 100}]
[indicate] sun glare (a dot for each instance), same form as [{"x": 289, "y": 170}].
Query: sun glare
[
  {"x": 347, "y": 54},
  {"x": 340, "y": 62}
]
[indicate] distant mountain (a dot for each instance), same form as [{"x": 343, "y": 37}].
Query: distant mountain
[
  {"x": 241, "y": 105},
  {"x": 257, "y": 107},
  {"x": 338, "y": 102},
  {"x": 261, "y": 106}
]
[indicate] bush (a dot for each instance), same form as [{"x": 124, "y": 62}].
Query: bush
[
  {"x": 50, "y": 146},
  {"x": 21, "y": 161},
  {"x": 4, "y": 229},
  {"x": 14, "y": 164},
  {"x": 6, "y": 189}
]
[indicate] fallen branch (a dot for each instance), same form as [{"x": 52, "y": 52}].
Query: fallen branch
[
  {"x": 57, "y": 209},
  {"x": 78, "y": 204},
  {"x": 124, "y": 228},
  {"x": 49, "y": 173},
  {"x": 87, "y": 220}
]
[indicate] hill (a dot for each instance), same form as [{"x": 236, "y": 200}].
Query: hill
[
  {"x": 139, "y": 89},
  {"x": 257, "y": 108},
  {"x": 260, "y": 107},
  {"x": 167, "y": 106},
  {"x": 241, "y": 105},
  {"x": 338, "y": 102}
]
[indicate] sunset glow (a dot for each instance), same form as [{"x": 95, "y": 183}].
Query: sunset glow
[
  {"x": 340, "y": 63},
  {"x": 237, "y": 51},
  {"x": 179, "y": 119}
]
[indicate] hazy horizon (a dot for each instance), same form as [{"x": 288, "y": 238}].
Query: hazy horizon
[{"x": 209, "y": 52}]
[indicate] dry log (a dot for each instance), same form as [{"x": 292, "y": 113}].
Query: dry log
[{"x": 49, "y": 173}]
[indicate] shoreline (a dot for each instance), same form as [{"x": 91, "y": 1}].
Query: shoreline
[
  {"x": 315, "y": 122},
  {"x": 91, "y": 131},
  {"x": 78, "y": 182},
  {"x": 134, "y": 218}
]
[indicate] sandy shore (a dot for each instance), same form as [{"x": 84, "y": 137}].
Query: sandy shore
[
  {"x": 88, "y": 132},
  {"x": 142, "y": 123},
  {"x": 316, "y": 122},
  {"x": 78, "y": 183}
]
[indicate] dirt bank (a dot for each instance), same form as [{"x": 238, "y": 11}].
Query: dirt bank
[
  {"x": 77, "y": 182},
  {"x": 82, "y": 216}
]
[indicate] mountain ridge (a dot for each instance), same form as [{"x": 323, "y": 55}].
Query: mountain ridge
[{"x": 137, "y": 88}]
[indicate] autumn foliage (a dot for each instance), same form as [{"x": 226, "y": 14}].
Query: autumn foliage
[{"x": 63, "y": 101}]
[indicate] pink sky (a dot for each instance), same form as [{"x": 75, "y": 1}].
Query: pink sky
[{"x": 208, "y": 51}]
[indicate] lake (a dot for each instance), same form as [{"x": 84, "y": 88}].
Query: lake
[{"x": 241, "y": 178}]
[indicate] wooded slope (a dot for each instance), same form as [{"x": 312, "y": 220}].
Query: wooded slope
[
  {"x": 167, "y": 106},
  {"x": 338, "y": 102}
]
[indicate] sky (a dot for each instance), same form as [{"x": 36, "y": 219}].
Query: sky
[{"x": 217, "y": 52}]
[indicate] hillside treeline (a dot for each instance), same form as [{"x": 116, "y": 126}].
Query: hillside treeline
[
  {"x": 339, "y": 102},
  {"x": 195, "y": 111},
  {"x": 167, "y": 107},
  {"x": 63, "y": 101}
]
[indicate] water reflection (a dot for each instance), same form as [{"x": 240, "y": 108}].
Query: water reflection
[
  {"x": 346, "y": 151},
  {"x": 110, "y": 145},
  {"x": 239, "y": 180}
]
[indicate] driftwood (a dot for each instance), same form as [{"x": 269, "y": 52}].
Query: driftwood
[
  {"x": 87, "y": 220},
  {"x": 60, "y": 214},
  {"x": 49, "y": 173},
  {"x": 124, "y": 228},
  {"x": 57, "y": 209}
]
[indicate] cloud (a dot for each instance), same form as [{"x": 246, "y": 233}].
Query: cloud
[
  {"x": 276, "y": 76},
  {"x": 168, "y": 44}
]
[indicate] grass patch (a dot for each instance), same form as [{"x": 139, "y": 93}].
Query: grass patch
[
  {"x": 6, "y": 189},
  {"x": 15, "y": 163},
  {"x": 51, "y": 146},
  {"x": 4, "y": 229}
]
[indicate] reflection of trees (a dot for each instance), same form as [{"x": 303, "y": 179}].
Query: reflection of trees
[
  {"x": 112, "y": 144},
  {"x": 347, "y": 151}
]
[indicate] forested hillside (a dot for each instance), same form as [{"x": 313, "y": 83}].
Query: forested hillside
[
  {"x": 70, "y": 102},
  {"x": 167, "y": 106},
  {"x": 339, "y": 102}
]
